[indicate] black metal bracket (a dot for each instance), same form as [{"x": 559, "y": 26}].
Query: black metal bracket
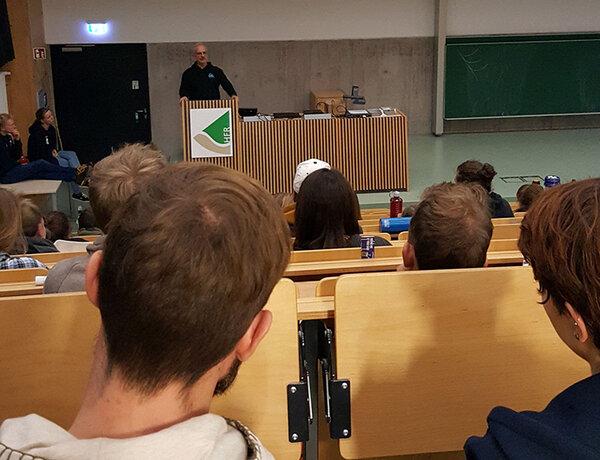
[
  {"x": 298, "y": 413},
  {"x": 337, "y": 392}
]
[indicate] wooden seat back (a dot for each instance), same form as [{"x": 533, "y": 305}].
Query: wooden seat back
[
  {"x": 506, "y": 231},
  {"x": 430, "y": 353},
  {"x": 258, "y": 398},
  {"x": 51, "y": 258},
  {"x": 321, "y": 255},
  {"x": 21, "y": 274},
  {"x": 46, "y": 346}
]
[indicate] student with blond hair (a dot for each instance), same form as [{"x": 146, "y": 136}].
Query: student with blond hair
[
  {"x": 113, "y": 180},
  {"x": 11, "y": 234}
]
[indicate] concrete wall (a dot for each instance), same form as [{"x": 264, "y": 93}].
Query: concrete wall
[
  {"x": 154, "y": 21},
  {"x": 278, "y": 77}
]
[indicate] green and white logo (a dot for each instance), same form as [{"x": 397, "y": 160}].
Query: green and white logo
[{"x": 211, "y": 133}]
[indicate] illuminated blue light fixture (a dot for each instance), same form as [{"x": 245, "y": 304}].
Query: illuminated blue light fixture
[{"x": 97, "y": 28}]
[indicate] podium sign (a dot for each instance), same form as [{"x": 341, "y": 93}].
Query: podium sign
[{"x": 210, "y": 132}]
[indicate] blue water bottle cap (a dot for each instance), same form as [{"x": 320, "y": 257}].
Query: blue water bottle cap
[{"x": 551, "y": 181}]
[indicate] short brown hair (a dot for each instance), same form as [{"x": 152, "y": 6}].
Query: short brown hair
[
  {"x": 451, "y": 227},
  {"x": 11, "y": 232},
  {"x": 58, "y": 225},
  {"x": 560, "y": 238},
  {"x": 527, "y": 194},
  {"x": 189, "y": 261},
  {"x": 113, "y": 179},
  {"x": 473, "y": 171},
  {"x": 31, "y": 216}
]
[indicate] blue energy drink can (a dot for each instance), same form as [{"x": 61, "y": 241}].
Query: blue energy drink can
[
  {"x": 394, "y": 224},
  {"x": 367, "y": 247}
]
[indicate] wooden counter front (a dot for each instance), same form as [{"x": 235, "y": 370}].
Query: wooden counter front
[{"x": 370, "y": 152}]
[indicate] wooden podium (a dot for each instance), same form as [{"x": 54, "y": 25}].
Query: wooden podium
[{"x": 370, "y": 152}]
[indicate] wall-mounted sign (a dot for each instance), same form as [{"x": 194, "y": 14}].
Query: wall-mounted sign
[
  {"x": 39, "y": 53},
  {"x": 97, "y": 28},
  {"x": 210, "y": 130}
]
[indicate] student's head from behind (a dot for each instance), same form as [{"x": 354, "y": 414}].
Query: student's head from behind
[
  {"x": 189, "y": 263},
  {"x": 451, "y": 228},
  {"x": 327, "y": 211},
  {"x": 472, "y": 171},
  {"x": 32, "y": 219},
  {"x": 59, "y": 225},
  {"x": 11, "y": 232},
  {"x": 527, "y": 194},
  {"x": 560, "y": 238},
  {"x": 305, "y": 169},
  {"x": 86, "y": 219},
  {"x": 113, "y": 179}
]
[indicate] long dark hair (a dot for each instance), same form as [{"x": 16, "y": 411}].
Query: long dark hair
[{"x": 327, "y": 211}]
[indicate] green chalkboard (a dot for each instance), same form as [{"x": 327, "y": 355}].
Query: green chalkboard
[{"x": 522, "y": 76}]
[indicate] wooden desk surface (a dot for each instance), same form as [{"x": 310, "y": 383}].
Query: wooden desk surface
[
  {"x": 19, "y": 289},
  {"x": 339, "y": 267},
  {"x": 315, "y": 308}
]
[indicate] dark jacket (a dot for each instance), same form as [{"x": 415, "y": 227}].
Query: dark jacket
[
  {"x": 568, "y": 428},
  {"x": 499, "y": 207},
  {"x": 10, "y": 152},
  {"x": 39, "y": 245},
  {"x": 41, "y": 143},
  {"x": 203, "y": 84}
]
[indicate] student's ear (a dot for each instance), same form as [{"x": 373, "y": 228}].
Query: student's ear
[
  {"x": 92, "y": 273},
  {"x": 41, "y": 230},
  {"x": 254, "y": 334},
  {"x": 581, "y": 332},
  {"x": 408, "y": 257}
]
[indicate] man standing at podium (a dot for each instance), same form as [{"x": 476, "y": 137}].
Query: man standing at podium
[{"x": 201, "y": 81}]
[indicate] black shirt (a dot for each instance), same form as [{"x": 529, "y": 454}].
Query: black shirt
[
  {"x": 203, "y": 84},
  {"x": 10, "y": 152}
]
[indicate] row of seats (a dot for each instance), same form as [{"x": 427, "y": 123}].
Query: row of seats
[{"x": 426, "y": 358}]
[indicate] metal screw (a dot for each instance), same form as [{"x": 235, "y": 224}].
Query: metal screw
[
  {"x": 345, "y": 386},
  {"x": 345, "y": 432},
  {"x": 294, "y": 437},
  {"x": 293, "y": 389}
]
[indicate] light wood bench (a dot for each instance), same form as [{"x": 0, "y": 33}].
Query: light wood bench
[
  {"x": 49, "y": 259},
  {"x": 20, "y": 281},
  {"x": 46, "y": 345},
  {"x": 506, "y": 231},
  {"x": 430, "y": 353}
]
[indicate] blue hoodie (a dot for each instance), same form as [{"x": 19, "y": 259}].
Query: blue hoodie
[{"x": 569, "y": 428}]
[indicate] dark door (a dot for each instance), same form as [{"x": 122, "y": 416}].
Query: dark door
[{"x": 101, "y": 97}]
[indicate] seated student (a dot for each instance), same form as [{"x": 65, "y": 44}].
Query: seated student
[
  {"x": 181, "y": 310},
  {"x": 44, "y": 144},
  {"x": 11, "y": 234},
  {"x": 34, "y": 229},
  {"x": 527, "y": 194},
  {"x": 86, "y": 223},
  {"x": 451, "y": 228},
  {"x": 474, "y": 172},
  {"x": 59, "y": 227},
  {"x": 114, "y": 179},
  {"x": 305, "y": 169},
  {"x": 10, "y": 152},
  {"x": 560, "y": 238},
  {"x": 327, "y": 213}
]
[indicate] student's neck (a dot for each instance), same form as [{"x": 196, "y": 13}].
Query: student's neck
[
  {"x": 202, "y": 66},
  {"x": 110, "y": 409},
  {"x": 45, "y": 125}
]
